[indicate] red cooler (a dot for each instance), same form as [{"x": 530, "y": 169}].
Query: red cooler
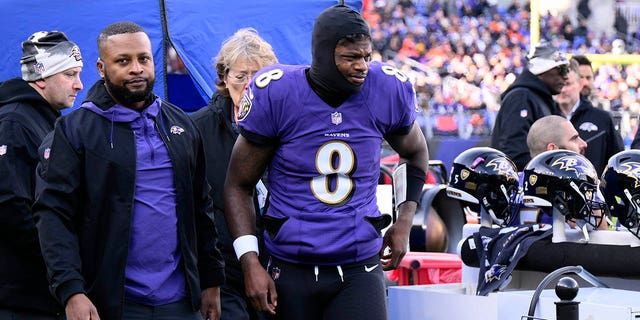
[{"x": 428, "y": 268}]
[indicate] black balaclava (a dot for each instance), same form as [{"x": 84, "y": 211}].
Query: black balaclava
[{"x": 332, "y": 25}]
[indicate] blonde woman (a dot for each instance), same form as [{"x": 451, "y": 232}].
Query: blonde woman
[{"x": 240, "y": 57}]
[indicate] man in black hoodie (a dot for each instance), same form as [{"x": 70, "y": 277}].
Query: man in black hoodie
[
  {"x": 528, "y": 99},
  {"x": 123, "y": 207},
  {"x": 51, "y": 66}
]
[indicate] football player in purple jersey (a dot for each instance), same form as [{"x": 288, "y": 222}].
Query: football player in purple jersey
[{"x": 319, "y": 130}]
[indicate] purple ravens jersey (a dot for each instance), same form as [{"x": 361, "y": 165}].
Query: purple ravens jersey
[{"x": 324, "y": 173}]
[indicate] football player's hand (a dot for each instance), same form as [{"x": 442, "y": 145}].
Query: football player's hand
[
  {"x": 259, "y": 286},
  {"x": 396, "y": 239}
]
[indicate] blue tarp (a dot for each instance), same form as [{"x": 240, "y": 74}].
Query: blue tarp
[{"x": 195, "y": 27}]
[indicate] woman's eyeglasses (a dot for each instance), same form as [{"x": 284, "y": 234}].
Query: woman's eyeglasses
[{"x": 240, "y": 78}]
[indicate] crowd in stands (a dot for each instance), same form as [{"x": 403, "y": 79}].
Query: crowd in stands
[{"x": 463, "y": 54}]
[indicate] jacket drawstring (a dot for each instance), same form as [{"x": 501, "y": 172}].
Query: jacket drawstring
[{"x": 112, "y": 124}]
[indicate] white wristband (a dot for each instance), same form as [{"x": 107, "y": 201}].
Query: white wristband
[{"x": 244, "y": 244}]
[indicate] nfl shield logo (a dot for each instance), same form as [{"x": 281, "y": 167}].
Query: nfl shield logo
[
  {"x": 3, "y": 149},
  {"x": 47, "y": 153},
  {"x": 39, "y": 67},
  {"x": 336, "y": 118}
]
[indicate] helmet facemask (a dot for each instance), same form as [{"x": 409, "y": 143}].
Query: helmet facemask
[
  {"x": 631, "y": 220},
  {"x": 500, "y": 203},
  {"x": 577, "y": 203}
]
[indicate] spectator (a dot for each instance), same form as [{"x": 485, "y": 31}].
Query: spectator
[
  {"x": 583, "y": 9},
  {"x": 318, "y": 227},
  {"x": 125, "y": 217},
  {"x": 29, "y": 107},
  {"x": 454, "y": 33},
  {"x": 621, "y": 25},
  {"x": 240, "y": 57},
  {"x": 529, "y": 98}
]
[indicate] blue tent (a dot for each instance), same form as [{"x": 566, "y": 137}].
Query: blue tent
[{"x": 196, "y": 28}]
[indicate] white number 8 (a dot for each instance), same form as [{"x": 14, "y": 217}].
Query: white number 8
[
  {"x": 265, "y": 78},
  {"x": 328, "y": 155},
  {"x": 392, "y": 71}
]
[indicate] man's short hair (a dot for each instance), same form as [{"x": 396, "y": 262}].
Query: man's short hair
[
  {"x": 542, "y": 132},
  {"x": 116, "y": 28},
  {"x": 582, "y": 60}
]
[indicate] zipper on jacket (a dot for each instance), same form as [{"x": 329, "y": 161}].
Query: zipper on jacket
[
  {"x": 146, "y": 139},
  {"x": 128, "y": 239},
  {"x": 183, "y": 242}
]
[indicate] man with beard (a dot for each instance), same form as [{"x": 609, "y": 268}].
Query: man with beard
[
  {"x": 125, "y": 217},
  {"x": 319, "y": 129},
  {"x": 528, "y": 99}
]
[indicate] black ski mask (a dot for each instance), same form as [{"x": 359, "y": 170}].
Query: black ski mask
[{"x": 332, "y": 25}]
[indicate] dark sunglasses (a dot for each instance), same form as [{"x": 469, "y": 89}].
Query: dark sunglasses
[{"x": 563, "y": 70}]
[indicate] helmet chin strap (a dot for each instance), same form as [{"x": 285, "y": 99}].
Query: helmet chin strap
[
  {"x": 574, "y": 186},
  {"x": 487, "y": 207},
  {"x": 634, "y": 209}
]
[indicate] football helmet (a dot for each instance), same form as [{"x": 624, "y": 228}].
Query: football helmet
[
  {"x": 487, "y": 177},
  {"x": 620, "y": 188},
  {"x": 564, "y": 180}
]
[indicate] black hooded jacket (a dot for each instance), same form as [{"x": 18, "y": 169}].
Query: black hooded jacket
[
  {"x": 524, "y": 102},
  {"x": 596, "y": 127},
  {"x": 218, "y": 135},
  {"x": 25, "y": 118},
  {"x": 85, "y": 201}
]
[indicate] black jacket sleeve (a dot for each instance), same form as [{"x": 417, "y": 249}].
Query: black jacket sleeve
[
  {"x": 615, "y": 143},
  {"x": 56, "y": 209},
  {"x": 210, "y": 261},
  {"x": 635, "y": 144},
  {"x": 18, "y": 159},
  {"x": 514, "y": 119}
]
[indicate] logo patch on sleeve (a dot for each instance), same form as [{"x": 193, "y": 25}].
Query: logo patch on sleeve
[{"x": 244, "y": 107}]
